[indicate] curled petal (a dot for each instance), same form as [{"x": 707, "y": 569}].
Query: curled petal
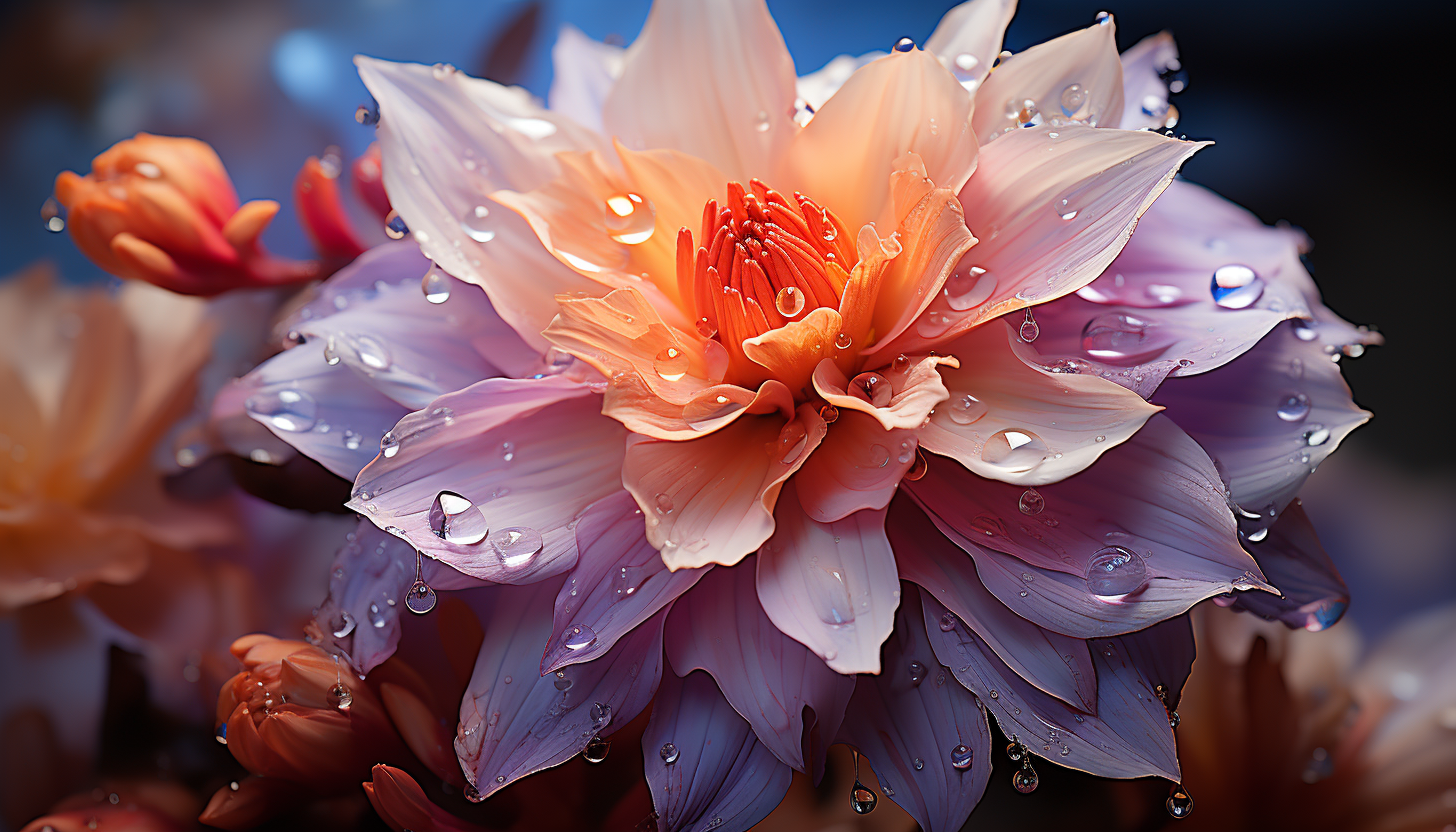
[
  {"x": 704, "y": 762},
  {"x": 1076, "y": 76},
  {"x": 968, "y": 38},
  {"x": 915, "y": 389},
  {"x": 1061, "y": 422},
  {"x": 791, "y": 352},
  {"x": 320, "y": 209},
  {"x": 831, "y": 586},
  {"x": 1312, "y": 593},
  {"x": 402, "y": 804},
  {"x": 858, "y": 466},
  {"x": 767, "y": 677}
]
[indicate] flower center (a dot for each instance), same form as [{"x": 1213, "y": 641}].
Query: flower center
[{"x": 763, "y": 261}]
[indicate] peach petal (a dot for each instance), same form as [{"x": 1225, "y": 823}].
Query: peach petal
[
  {"x": 402, "y": 804},
  {"x": 968, "y": 38},
  {"x": 711, "y": 499},
  {"x": 858, "y": 466},
  {"x": 915, "y": 390},
  {"x": 790, "y": 352},
  {"x": 630, "y": 401},
  {"x": 1045, "y": 74},
  {"x": 254, "y": 801},
  {"x": 729, "y": 80},
  {"x": 1069, "y": 418},
  {"x": 904, "y": 102}
]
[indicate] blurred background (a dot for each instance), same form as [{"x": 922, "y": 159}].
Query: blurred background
[{"x": 1331, "y": 116}]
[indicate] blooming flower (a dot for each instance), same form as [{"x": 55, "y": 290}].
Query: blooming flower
[{"x": 812, "y": 411}]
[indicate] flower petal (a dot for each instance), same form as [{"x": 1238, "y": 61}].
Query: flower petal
[
  {"x": 729, "y": 77},
  {"x": 513, "y": 721},
  {"x": 1005, "y": 410},
  {"x": 1156, "y": 496},
  {"x": 910, "y": 724},
  {"x": 968, "y": 38},
  {"x": 1050, "y": 215},
  {"x": 582, "y": 74},
  {"x": 402, "y": 804},
  {"x": 1268, "y": 419},
  {"x": 1144, "y": 92},
  {"x": 766, "y": 676},
  {"x": 830, "y": 586},
  {"x": 1312, "y": 593},
  {"x": 704, "y": 762},
  {"x": 619, "y": 582},
  {"x": 711, "y": 499},
  {"x": 526, "y": 454},
  {"x": 905, "y": 102},
  {"x": 468, "y": 138},
  {"x": 790, "y": 353},
  {"x": 1129, "y": 734},
  {"x": 1076, "y": 76},
  {"x": 859, "y": 466},
  {"x": 1057, "y": 664},
  {"x": 914, "y": 383}
]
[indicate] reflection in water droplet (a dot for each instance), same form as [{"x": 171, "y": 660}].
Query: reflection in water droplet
[
  {"x": 969, "y": 288},
  {"x": 436, "y": 285},
  {"x": 1115, "y": 571},
  {"x": 1029, "y": 328},
  {"x": 339, "y": 696},
  {"x": 862, "y": 799},
  {"x": 1121, "y": 339},
  {"x": 947, "y": 622},
  {"x": 1074, "y": 98},
  {"x": 477, "y": 224},
  {"x": 1031, "y": 502},
  {"x": 1179, "y": 803},
  {"x": 288, "y": 410},
  {"x": 707, "y": 409},
  {"x": 596, "y": 750},
  {"x": 671, "y": 364},
  {"x": 1236, "y": 287},
  {"x": 455, "y": 519},
  {"x": 394, "y": 226},
  {"x": 904, "y": 45},
  {"x": 843, "y": 341},
  {"x": 961, "y": 757},
  {"x": 1025, "y": 779},
  {"x": 873, "y": 388},
  {"x": 579, "y": 637},
  {"x": 517, "y": 545},
  {"x": 421, "y": 598},
  {"x": 830, "y": 595},
  {"x": 1293, "y": 407},
  {"x": 630, "y": 218},
  {"x": 1316, "y": 435},
  {"x": 965, "y": 409},
  {"x": 669, "y": 753},
  {"x": 1014, "y": 451},
  {"x": 789, "y": 302},
  {"x": 917, "y": 672}
]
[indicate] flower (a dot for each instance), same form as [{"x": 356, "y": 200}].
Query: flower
[
  {"x": 815, "y": 411},
  {"x": 162, "y": 210}
]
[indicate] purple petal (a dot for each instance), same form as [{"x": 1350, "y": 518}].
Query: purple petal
[
  {"x": 769, "y": 678},
  {"x": 1057, "y": 664},
  {"x": 830, "y": 586},
  {"x": 1314, "y": 594},
  {"x": 1154, "y": 504},
  {"x": 705, "y": 767},
  {"x": 1144, "y": 92},
  {"x": 526, "y": 455},
  {"x": 911, "y": 721},
  {"x": 1268, "y": 419},
  {"x": 1128, "y": 737},
  {"x": 619, "y": 582},
  {"x": 514, "y": 721},
  {"x": 582, "y": 73}
]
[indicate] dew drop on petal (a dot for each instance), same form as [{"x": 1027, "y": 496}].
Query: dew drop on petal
[
  {"x": 1025, "y": 779},
  {"x": 394, "y": 226},
  {"x": 961, "y": 757},
  {"x": 671, "y": 364},
  {"x": 862, "y": 799},
  {"x": 455, "y": 519},
  {"x": 843, "y": 341},
  {"x": 1293, "y": 407},
  {"x": 964, "y": 409},
  {"x": 1029, "y": 329},
  {"x": 596, "y": 750},
  {"x": 1236, "y": 287},
  {"x": 1115, "y": 571},
  {"x": 1316, "y": 435},
  {"x": 1179, "y": 803},
  {"x": 1014, "y": 451},
  {"x": 477, "y": 224},
  {"x": 1031, "y": 502},
  {"x": 917, "y": 672},
  {"x": 1074, "y": 98},
  {"x": 288, "y": 410},
  {"x": 517, "y": 545},
  {"x": 791, "y": 442},
  {"x": 388, "y": 444},
  {"x": 669, "y": 753},
  {"x": 579, "y": 637},
  {"x": 421, "y": 598},
  {"x": 339, "y": 696},
  {"x": 830, "y": 595},
  {"x": 947, "y": 622},
  {"x": 904, "y": 45},
  {"x": 789, "y": 302},
  {"x": 969, "y": 288},
  {"x": 630, "y": 218}
]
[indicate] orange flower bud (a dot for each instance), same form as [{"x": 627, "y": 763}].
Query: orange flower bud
[{"x": 162, "y": 209}]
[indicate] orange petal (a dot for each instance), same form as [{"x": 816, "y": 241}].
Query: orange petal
[
  {"x": 791, "y": 352},
  {"x": 914, "y": 387},
  {"x": 402, "y": 804},
  {"x": 630, "y": 401},
  {"x": 250, "y": 802}
]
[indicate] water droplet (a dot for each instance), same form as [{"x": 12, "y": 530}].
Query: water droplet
[
  {"x": 455, "y": 519},
  {"x": 1316, "y": 435},
  {"x": 669, "y": 753},
  {"x": 339, "y": 696},
  {"x": 671, "y": 364},
  {"x": 965, "y": 409},
  {"x": 947, "y": 622},
  {"x": 1174, "y": 719},
  {"x": 761, "y": 122},
  {"x": 917, "y": 672},
  {"x": 1031, "y": 502},
  {"x": 843, "y": 341},
  {"x": 879, "y": 456},
  {"x": 377, "y": 618},
  {"x": 1293, "y": 407},
  {"x": 1115, "y": 571},
  {"x": 873, "y": 388},
  {"x": 476, "y": 224},
  {"x": 50, "y": 216},
  {"x": 421, "y": 597},
  {"x": 596, "y": 750},
  {"x": 1025, "y": 779},
  {"x": 1014, "y": 451},
  {"x": 662, "y": 503},
  {"x": 707, "y": 409},
  {"x": 352, "y": 440},
  {"x": 367, "y": 114},
  {"x": 793, "y": 438},
  {"x": 561, "y": 682},
  {"x": 1179, "y": 803},
  {"x": 394, "y": 226},
  {"x": 221, "y": 734},
  {"x": 1304, "y": 330},
  {"x": 789, "y": 301},
  {"x": 601, "y": 714},
  {"x": 1236, "y": 287},
  {"x": 966, "y": 62},
  {"x": 830, "y": 595},
  {"x": 1074, "y": 98},
  {"x": 517, "y": 545},
  {"x": 862, "y": 799},
  {"x": 1258, "y": 535},
  {"x": 969, "y": 288},
  {"x": 342, "y": 624},
  {"x": 961, "y": 757},
  {"x": 579, "y": 637},
  {"x": 388, "y": 444},
  {"x": 1029, "y": 328},
  {"x": 630, "y": 218},
  {"x": 288, "y": 410},
  {"x": 1121, "y": 339},
  {"x": 919, "y": 764},
  {"x": 904, "y": 45}
]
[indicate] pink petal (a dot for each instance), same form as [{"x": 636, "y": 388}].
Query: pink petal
[
  {"x": 468, "y": 138},
  {"x": 1005, "y": 411},
  {"x": 711, "y": 499},
  {"x": 915, "y": 390},
  {"x": 1029, "y": 252},
  {"x": 767, "y": 677},
  {"x": 830, "y": 586},
  {"x": 513, "y": 721},
  {"x": 582, "y": 74},
  {"x": 728, "y": 76},
  {"x": 719, "y": 772},
  {"x": 911, "y": 721},
  {"x": 1057, "y": 664},
  {"x": 1157, "y": 496},
  {"x": 527, "y": 455},
  {"x": 1144, "y": 92},
  {"x": 818, "y": 86},
  {"x": 968, "y": 38},
  {"x": 1128, "y": 737},
  {"x": 1313, "y": 595},
  {"x": 619, "y": 582},
  {"x": 1268, "y": 419},
  {"x": 858, "y": 466},
  {"x": 1076, "y": 76},
  {"x": 902, "y": 103}
]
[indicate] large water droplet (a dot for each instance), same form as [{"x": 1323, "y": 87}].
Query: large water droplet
[
  {"x": 917, "y": 672},
  {"x": 669, "y": 753},
  {"x": 831, "y": 596},
  {"x": 1179, "y": 803},
  {"x": 477, "y": 224},
  {"x": 1031, "y": 502},
  {"x": 1025, "y": 779},
  {"x": 793, "y": 438},
  {"x": 1293, "y": 407},
  {"x": 961, "y": 757},
  {"x": 969, "y": 288},
  {"x": 1014, "y": 451},
  {"x": 862, "y": 799},
  {"x": 1236, "y": 287},
  {"x": 1119, "y": 338},
  {"x": 630, "y": 218},
  {"x": 288, "y": 410},
  {"x": 579, "y": 637},
  {"x": 1115, "y": 571},
  {"x": 456, "y": 520},
  {"x": 947, "y": 622},
  {"x": 873, "y": 388},
  {"x": 221, "y": 734},
  {"x": 436, "y": 285},
  {"x": 596, "y": 750},
  {"x": 517, "y": 545},
  {"x": 342, "y": 624},
  {"x": 339, "y": 696},
  {"x": 394, "y": 226},
  {"x": 964, "y": 409},
  {"x": 1073, "y": 100},
  {"x": 389, "y": 444},
  {"x": 1029, "y": 329},
  {"x": 904, "y": 45},
  {"x": 420, "y": 598},
  {"x": 789, "y": 301},
  {"x": 671, "y": 364},
  {"x": 1316, "y": 435}
]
